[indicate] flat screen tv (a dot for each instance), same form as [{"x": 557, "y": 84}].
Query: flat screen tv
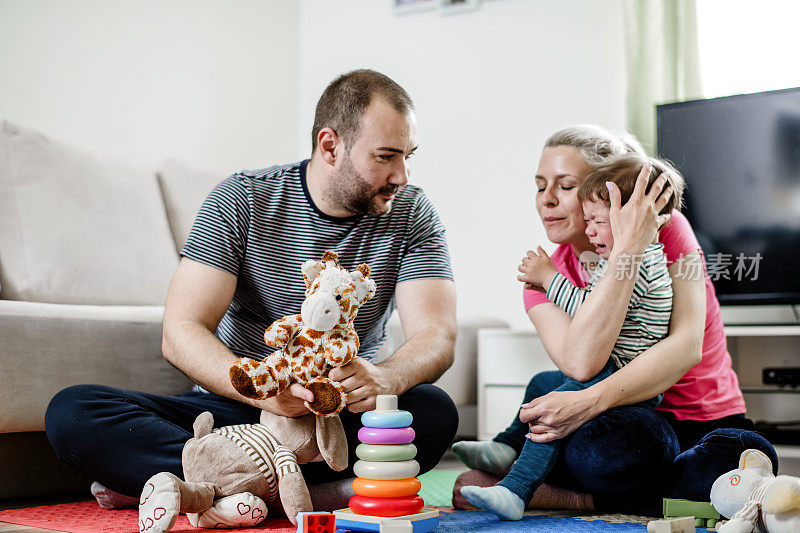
[{"x": 740, "y": 156}]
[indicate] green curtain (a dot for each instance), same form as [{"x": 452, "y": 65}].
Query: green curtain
[{"x": 662, "y": 60}]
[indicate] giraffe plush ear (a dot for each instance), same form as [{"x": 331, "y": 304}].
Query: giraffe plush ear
[
  {"x": 330, "y": 255},
  {"x": 311, "y": 270}
]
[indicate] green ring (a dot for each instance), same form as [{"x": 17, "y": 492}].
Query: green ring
[{"x": 386, "y": 452}]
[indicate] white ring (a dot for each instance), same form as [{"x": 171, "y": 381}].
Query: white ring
[{"x": 386, "y": 469}]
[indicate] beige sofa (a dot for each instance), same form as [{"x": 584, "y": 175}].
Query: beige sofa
[{"x": 87, "y": 250}]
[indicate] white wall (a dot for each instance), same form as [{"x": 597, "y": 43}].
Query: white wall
[
  {"x": 208, "y": 82},
  {"x": 233, "y": 84},
  {"x": 489, "y": 86}
]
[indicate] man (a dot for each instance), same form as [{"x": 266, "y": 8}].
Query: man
[{"x": 240, "y": 270}]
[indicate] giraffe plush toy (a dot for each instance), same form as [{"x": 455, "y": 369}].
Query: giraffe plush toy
[{"x": 322, "y": 336}]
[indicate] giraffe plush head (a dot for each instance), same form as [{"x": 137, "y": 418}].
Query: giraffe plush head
[{"x": 333, "y": 295}]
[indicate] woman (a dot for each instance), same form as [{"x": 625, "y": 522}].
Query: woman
[{"x": 628, "y": 458}]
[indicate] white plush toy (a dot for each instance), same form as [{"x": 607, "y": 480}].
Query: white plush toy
[{"x": 754, "y": 498}]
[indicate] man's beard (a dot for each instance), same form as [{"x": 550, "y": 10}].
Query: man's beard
[{"x": 348, "y": 189}]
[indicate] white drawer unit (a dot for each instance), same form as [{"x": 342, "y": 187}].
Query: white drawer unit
[{"x": 507, "y": 360}]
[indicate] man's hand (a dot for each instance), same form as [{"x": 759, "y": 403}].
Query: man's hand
[
  {"x": 557, "y": 414},
  {"x": 537, "y": 270},
  {"x": 362, "y": 381},
  {"x": 289, "y": 402}
]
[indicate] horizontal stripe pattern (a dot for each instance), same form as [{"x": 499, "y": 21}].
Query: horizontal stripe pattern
[
  {"x": 262, "y": 225},
  {"x": 269, "y": 455},
  {"x": 649, "y": 310}
]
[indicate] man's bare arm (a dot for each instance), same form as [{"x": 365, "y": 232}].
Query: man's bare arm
[
  {"x": 427, "y": 309},
  {"x": 198, "y": 298}
]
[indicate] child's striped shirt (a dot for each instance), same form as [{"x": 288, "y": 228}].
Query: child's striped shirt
[{"x": 647, "y": 319}]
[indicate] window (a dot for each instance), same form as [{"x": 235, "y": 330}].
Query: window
[{"x": 748, "y": 46}]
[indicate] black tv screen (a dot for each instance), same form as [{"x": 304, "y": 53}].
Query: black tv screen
[{"x": 740, "y": 156}]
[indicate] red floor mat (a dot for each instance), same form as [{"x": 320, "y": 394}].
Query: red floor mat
[{"x": 88, "y": 517}]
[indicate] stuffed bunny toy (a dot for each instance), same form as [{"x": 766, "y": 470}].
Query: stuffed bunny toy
[
  {"x": 232, "y": 474},
  {"x": 754, "y": 498}
]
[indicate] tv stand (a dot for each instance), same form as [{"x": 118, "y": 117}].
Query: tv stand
[{"x": 760, "y": 314}]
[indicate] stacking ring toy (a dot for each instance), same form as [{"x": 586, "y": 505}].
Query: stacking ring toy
[
  {"x": 386, "y": 435},
  {"x": 385, "y": 452},
  {"x": 387, "y": 419},
  {"x": 386, "y": 506},
  {"x": 387, "y": 470},
  {"x": 386, "y": 488}
]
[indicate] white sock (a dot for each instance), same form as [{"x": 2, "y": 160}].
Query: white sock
[
  {"x": 238, "y": 510},
  {"x": 499, "y": 500},
  {"x": 489, "y": 456}
]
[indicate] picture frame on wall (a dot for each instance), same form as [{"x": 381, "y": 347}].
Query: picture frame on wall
[
  {"x": 452, "y": 7},
  {"x": 404, "y": 7}
]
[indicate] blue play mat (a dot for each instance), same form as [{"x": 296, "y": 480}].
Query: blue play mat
[{"x": 467, "y": 521}]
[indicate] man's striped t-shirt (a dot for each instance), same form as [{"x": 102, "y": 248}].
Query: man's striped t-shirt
[
  {"x": 261, "y": 225},
  {"x": 647, "y": 319}
]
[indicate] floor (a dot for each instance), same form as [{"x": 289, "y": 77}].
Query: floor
[{"x": 448, "y": 462}]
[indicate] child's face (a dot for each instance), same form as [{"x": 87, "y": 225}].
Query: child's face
[{"x": 598, "y": 227}]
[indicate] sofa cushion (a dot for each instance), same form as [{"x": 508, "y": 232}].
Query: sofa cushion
[
  {"x": 78, "y": 229},
  {"x": 184, "y": 189}
]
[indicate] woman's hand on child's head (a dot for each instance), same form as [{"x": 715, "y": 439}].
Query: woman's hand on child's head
[
  {"x": 636, "y": 224},
  {"x": 537, "y": 270}
]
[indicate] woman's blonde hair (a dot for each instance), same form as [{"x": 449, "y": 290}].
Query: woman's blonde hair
[{"x": 597, "y": 145}]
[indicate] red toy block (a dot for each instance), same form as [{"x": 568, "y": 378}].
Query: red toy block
[{"x": 316, "y": 523}]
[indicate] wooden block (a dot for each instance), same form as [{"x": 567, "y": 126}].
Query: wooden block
[
  {"x": 684, "y": 524},
  {"x": 396, "y": 526}
]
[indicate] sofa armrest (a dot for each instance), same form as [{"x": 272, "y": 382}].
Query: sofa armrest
[{"x": 47, "y": 347}]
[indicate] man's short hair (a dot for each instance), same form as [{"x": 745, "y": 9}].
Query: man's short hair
[
  {"x": 346, "y": 98},
  {"x": 623, "y": 170}
]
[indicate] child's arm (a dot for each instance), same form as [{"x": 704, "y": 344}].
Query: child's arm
[{"x": 537, "y": 270}]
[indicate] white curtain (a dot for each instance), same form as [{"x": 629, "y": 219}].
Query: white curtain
[{"x": 663, "y": 62}]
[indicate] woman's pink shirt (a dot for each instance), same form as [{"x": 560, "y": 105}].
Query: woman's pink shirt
[{"x": 710, "y": 390}]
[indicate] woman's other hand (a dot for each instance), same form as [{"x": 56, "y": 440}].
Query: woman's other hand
[
  {"x": 558, "y": 414},
  {"x": 537, "y": 270},
  {"x": 636, "y": 224}
]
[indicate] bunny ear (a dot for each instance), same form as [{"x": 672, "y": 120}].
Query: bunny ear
[
  {"x": 755, "y": 459},
  {"x": 311, "y": 270}
]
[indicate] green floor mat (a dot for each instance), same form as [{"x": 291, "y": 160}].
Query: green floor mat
[{"x": 437, "y": 487}]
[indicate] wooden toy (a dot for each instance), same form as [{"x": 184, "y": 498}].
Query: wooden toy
[
  {"x": 704, "y": 514},
  {"x": 672, "y": 525}
]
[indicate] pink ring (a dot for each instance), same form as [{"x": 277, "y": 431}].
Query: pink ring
[{"x": 386, "y": 435}]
